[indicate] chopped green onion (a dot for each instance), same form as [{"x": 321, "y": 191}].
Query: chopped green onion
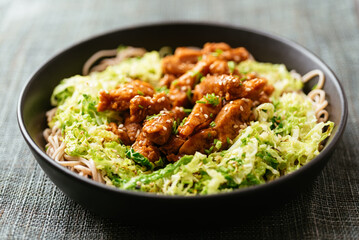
[
  {"x": 189, "y": 94},
  {"x": 183, "y": 121},
  {"x": 175, "y": 82},
  {"x": 187, "y": 110},
  {"x": 217, "y": 52},
  {"x": 231, "y": 66},
  {"x": 175, "y": 128},
  {"x": 193, "y": 73},
  {"x": 217, "y": 144},
  {"x": 163, "y": 89},
  {"x": 148, "y": 118},
  {"x": 212, "y": 99},
  {"x": 209, "y": 150}
]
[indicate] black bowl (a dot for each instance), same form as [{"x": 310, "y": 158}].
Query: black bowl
[{"x": 108, "y": 201}]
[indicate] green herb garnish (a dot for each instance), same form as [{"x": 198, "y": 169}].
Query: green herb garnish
[
  {"x": 148, "y": 118},
  {"x": 187, "y": 110},
  {"x": 217, "y": 52},
  {"x": 183, "y": 121},
  {"x": 231, "y": 66},
  {"x": 189, "y": 94},
  {"x": 212, "y": 99},
  {"x": 163, "y": 89},
  {"x": 175, "y": 127},
  {"x": 208, "y": 151},
  {"x": 174, "y": 83}
]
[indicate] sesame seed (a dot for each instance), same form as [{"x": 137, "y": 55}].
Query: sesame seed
[
  {"x": 164, "y": 128},
  {"x": 241, "y": 107},
  {"x": 168, "y": 120},
  {"x": 137, "y": 133},
  {"x": 235, "y": 126},
  {"x": 205, "y": 115},
  {"x": 248, "y": 89},
  {"x": 120, "y": 126},
  {"x": 197, "y": 114}
]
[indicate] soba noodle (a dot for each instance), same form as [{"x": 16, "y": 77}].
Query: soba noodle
[
  {"x": 55, "y": 148},
  {"x": 317, "y": 95},
  {"x": 118, "y": 56}
]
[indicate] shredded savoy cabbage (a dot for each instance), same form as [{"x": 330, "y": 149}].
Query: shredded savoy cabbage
[{"x": 284, "y": 137}]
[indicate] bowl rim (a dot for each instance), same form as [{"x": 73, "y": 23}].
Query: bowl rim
[{"x": 241, "y": 191}]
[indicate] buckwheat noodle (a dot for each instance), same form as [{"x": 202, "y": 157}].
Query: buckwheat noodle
[
  {"x": 55, "y": 148},
  {"x": 317, "y": 95},
  {"x": 117, "y": 57}
]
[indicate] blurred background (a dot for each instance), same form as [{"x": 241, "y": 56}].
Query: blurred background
[{"x": 31, "y": 32}]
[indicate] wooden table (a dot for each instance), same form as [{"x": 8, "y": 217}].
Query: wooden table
[{"x": 33, "y": 31}]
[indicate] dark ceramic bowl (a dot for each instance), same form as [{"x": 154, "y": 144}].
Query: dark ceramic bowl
[{"x": 108, "y": 201}]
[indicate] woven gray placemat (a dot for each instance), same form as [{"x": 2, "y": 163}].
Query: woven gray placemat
[{"x": 32, "y": 31}]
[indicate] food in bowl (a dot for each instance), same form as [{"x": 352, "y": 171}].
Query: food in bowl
[{"x": 199, "y": 121}]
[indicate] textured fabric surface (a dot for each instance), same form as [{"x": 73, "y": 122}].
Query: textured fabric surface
[{"x": 32, "y": 31}]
